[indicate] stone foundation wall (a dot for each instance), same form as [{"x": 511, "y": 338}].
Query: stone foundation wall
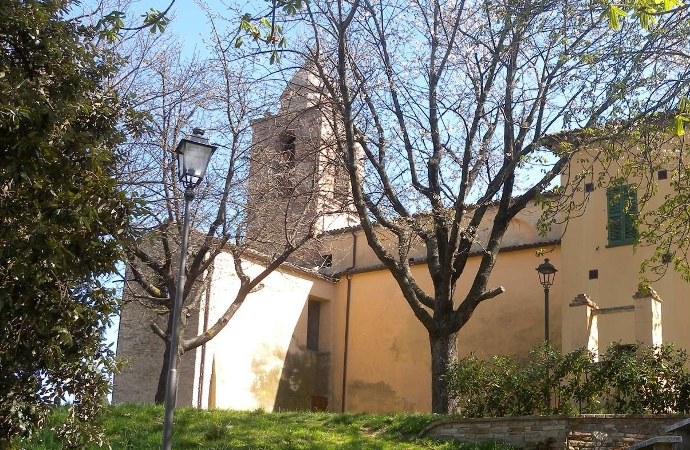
[{"x": 582, "y": 432}]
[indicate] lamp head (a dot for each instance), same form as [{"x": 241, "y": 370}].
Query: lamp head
[
  {"x": 547, "y": 273},
  {"x": 193, "y": 154}
]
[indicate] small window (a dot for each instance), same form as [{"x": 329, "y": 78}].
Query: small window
[
  {"x": 313, "y": 319},
  {"x": 287, "y": 151},
  {"x": 285, "y": 163},
  {"x": 622, "y": 209},
  {"x": 662, "y": 174},
  {"x": 589, "y": 187},
  {"x": 594, "y": 274},
  {"x": 327, "y": 260}
]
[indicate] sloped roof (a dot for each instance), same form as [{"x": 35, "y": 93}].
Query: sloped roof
[{"x": 417, "y": 261}]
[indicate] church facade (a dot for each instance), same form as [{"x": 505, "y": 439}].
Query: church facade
[{"x": 337, "y": 335}]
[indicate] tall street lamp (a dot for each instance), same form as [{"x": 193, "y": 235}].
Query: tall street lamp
[
  {"x": 547, "y": 272},
  {"x": 193, "y": 155}
]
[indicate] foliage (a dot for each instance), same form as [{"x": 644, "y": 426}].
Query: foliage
[
  {"x": 632, "y": 154},
  {"x": 644, "y": 11},
  {"x": 61, "y": 221},
  {"x": 139, "y": 427},
  {"x": 625, "y": 380},
  {"x": 112, "y": 25},
  {"x": 265, "y": 29}
]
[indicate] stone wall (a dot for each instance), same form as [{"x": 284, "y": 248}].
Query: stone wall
[
  {"x": 142, "y": 352},
  {"x": 139, "y": 348},
  {"x": 582, "y": 432}
]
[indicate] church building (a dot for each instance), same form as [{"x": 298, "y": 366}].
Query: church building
[{"x": 331, "y": 329}]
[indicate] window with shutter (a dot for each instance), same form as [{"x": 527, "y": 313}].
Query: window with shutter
[
  {"x": 622, "y": 209},
  {"x": 313, "y": 319}
]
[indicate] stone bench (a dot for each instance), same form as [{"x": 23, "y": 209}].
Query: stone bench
[
  {"x": 657, "y": 443},
  {"x": 683, "y": 425},
  {"x": 682, "y": 429}
]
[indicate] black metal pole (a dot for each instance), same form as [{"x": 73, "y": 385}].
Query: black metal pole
[
  {"x": 171, "y": 384},
  {"x": 546, "y": 314},
  {"x": 547, "y": 394}
]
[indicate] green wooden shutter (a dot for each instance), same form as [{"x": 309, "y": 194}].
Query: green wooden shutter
[
  {"x": 629, "y": 230},
  {"x": 622, "y": 209},
  {"x": 614, "y": 216}
]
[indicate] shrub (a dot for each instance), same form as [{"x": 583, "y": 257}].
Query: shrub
[{"x": 627, "y": 379}]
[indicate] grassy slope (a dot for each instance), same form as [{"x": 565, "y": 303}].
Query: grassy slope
[{"x": 140, "y": 427}]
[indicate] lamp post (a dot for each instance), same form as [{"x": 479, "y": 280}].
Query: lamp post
[
  {"x": 547, "y": 272},
  {"x": 193, "y": 155}
]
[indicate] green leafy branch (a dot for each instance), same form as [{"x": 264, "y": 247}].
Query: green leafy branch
[
  {"x": 682, "y": 116},
  {"x": 112, "y": 24},
  {"x": 645, "y": 11},
  {"x": 265, "y": 30}
]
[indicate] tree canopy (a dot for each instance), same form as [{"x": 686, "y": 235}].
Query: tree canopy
[{"x": 62, "y": 218}]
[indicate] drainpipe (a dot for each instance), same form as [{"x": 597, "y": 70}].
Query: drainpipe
[
  {"x": 202, "y": 365},
  {"x": 347, "y": 317}
]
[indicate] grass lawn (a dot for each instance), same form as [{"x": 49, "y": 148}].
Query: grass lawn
[{"x": 140, "y": 427}]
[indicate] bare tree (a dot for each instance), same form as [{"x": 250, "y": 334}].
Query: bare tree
[
  {"x": 457, "y": 107},
  {"x": 267, "y": 226}
]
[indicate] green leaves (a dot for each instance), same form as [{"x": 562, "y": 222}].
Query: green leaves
[
  {"x": 613, "y": 14},
  {"x": 61, "y": 223},
  {"x": 111, "y": 25},
  {"x": 645, "y": 11},
  {"x": 627, "y": 379},
  {"x": 682, "y": 116},
  {"x": 156, "y": 20},
  {"x": 263, "y": 30}
]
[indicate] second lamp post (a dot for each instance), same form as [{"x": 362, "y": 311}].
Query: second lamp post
[{"x": 547, "y": 272}]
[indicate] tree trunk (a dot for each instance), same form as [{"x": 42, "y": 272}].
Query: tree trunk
[
  {"x": 444, "y": 350},
  {"x": 163, "y": 377}
]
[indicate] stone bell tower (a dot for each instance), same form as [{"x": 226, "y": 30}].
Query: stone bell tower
[{"x": 297, "y": 176}]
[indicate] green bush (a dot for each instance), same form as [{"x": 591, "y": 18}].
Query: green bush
[{"x": 627, "y": 379}]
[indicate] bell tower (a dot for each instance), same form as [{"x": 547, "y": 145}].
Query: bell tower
[{"x": 297, "y": 177}]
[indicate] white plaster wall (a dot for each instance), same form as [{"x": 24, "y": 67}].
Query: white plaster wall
[{"x": 250, "y": 351}]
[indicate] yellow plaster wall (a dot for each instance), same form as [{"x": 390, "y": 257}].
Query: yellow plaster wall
[
  {"x": 260, "y": 356},
  {"x": 388, "y": 362},
  {"x": 584, "y": 248}
]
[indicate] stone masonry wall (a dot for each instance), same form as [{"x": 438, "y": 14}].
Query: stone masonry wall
[
  {"x": 143, "y": 352},
  {"x": 582, "y": 432}
]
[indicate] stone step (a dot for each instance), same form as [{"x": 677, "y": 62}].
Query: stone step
[{"x": 657, "y": 443}]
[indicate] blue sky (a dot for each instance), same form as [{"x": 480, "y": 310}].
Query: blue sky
[{"x": 189, "y": 20}]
